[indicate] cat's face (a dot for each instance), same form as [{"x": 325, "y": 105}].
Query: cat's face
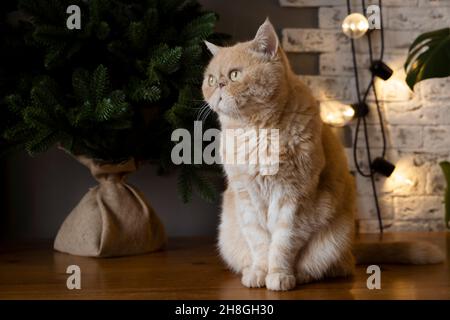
[{"x": 243, "y": 79}]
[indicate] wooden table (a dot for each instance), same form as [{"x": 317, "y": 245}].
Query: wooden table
[{"x": 190, "y": 268}]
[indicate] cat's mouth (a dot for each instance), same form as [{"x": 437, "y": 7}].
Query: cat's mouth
[
  {"x": 223, "y": 103},
  {"x": 217, "y": 101}
]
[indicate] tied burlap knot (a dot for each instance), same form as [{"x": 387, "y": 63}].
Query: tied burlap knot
[{"x": 112, "y": 219}]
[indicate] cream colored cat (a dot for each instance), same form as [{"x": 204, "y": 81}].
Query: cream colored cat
[{"x": 297, "y": 225}]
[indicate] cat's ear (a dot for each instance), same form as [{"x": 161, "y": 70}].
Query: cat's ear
[
  {"x": 266, "y": 40},
  {"x": 212, "y": 47}
]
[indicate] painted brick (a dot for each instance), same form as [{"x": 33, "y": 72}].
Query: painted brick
[
  {"x": 323, "y": 40},
  {"x": 362, "y": 160},
  {"x": 371, "y": 226},
  {"x": 420, "y": 207},
  {"x": 313, "y": 40},
  {"x": 438, "y": 3},
  {"x": 374, "y": 133},
  {"x": 332, "y": 17},
  {"x": 391, "y": 154},
  {"x": 436, "y": 183},
  {"x": 436, "y": 138},
  {"x": 417, "y": 122},
  {"x": 435, "y": 89},
  {"x": 330, "y": 88},
  {"x": 438, "y": 113},
  {"x": 418, "y": 225},
  {"x": 321, "y": 3},
  {"x": 399, "y": 3},
  {"x": 409, "y": 166},
  {"x": 349, "y": 156},
  {"x": 412, "y": 112},
  {"x": 342, "y": 64},
  {"x": 372, "y": 116},
  {"x": 364, "y": 186},
  {"x": 395, "y": 114},
  {"x": 406, "y": 137},
  {"x": 306, "y": 3},
  {"x": 394, "y": 89},
  {"x": 426, "y": 19},
  {"x": 367, "y": 209}
]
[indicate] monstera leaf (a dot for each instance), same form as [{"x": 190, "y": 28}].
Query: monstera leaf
[
  {"x": 428, "y": 57},
  {"x": 445, "y": 165}
]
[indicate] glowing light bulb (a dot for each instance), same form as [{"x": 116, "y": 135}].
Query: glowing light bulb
[
  {"x": 401, "y": 179},
  {"x": 335, "y": 113},
  {"x": 349, "y": 112},
  {"x": 355, "y": 25}
]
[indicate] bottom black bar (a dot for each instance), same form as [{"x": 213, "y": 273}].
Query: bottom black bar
[{"x": 226, "y": 309}]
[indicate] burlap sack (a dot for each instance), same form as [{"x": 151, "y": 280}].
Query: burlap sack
[{"x": 112, "y": 219}]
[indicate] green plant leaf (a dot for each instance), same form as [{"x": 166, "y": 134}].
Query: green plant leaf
[
  {"x": 429, "y": 57},
  {"x": 445, "y": 165}
]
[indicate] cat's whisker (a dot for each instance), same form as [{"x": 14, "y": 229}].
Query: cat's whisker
[
  {"x": 206, "y": 115},
  {"x": 204, "y": 108}
]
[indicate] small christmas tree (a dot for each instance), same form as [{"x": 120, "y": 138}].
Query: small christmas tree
[
  {"x": 112, "y": 90},
  {"x": 18, "y": 64}
]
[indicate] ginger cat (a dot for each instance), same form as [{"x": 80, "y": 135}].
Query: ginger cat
[{"x": 297, "y": 225}]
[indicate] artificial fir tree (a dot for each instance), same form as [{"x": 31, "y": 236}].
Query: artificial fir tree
[
  {"x": 18, "y": 64},
  {"x": 114, "y": 89}
]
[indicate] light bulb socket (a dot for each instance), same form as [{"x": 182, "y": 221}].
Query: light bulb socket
[
  {"x": 381, "y": 70},
  {"x": 361, "y": 109},
  {"x": 382, "y": 166}
]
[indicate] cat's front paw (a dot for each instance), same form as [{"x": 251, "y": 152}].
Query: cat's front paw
[
  {"x": 280, "y": 281},
  {"x": 253, "y": 277}
]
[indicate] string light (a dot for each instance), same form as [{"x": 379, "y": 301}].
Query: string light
[
  {"x": 381, "y": 70},
  {"x": 399, "y": 179},
  {"x": 360, "y": 109},
  {"x": 355, "y": 25},
  {"x": 338, "y": 114},
  {"x": 362, "y": 96},
  {"x": 335, "y": 113},
  {"x": 396, "y": 173}
]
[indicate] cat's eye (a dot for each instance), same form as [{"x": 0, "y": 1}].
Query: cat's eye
[
  {"x": 234, "y": 75},
  {"x": 212, "y": 80}
]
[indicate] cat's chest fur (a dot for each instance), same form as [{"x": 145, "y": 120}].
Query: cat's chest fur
[{"x": 261, "y": 177}]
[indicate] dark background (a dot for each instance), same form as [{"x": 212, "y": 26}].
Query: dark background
[{"x": 38, "y": 193}]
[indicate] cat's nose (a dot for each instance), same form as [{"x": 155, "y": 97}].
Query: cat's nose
[{"x": 222, "y": 84}]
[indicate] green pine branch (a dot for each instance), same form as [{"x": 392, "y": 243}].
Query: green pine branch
[{"x": 115, "y": 89}]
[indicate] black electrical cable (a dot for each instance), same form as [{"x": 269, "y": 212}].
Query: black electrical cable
[
  {"x": 358, "y": 95},
  {"x": 380, "y": 118},
  {"x": 371, "y": 85}
]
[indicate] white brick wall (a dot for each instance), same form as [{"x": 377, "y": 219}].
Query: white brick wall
[{"x": 417, "y": 123}]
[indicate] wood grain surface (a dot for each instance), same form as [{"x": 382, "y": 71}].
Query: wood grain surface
[{"x": 190, "y": 268}]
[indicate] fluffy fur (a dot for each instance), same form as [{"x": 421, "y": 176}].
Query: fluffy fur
[{"x": 298, "y": 225}]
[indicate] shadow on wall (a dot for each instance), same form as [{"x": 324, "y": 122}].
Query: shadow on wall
[
  {"x": 43, "y": 190},
  {"x": 241, "y": 19}
]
